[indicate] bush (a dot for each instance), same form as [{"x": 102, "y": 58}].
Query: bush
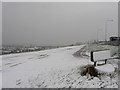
[{"x": 89, "y": 69}]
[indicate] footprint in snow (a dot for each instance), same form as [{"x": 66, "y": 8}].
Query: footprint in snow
[{"x": 18, "y": 82}]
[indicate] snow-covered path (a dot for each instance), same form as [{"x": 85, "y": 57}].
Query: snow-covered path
[
  {"x": 54, "y": 68},
  {"x": 19, "y": 68}
]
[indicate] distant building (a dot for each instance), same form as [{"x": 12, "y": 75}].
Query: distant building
[
  {"x": 114, "y": 38},
  {"x": 115, "y": 41}
]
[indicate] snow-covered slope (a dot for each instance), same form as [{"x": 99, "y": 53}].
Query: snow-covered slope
[
  {"x": 49, "y": 68},
  {"x": 23, "y": 66},
  {"x": 0, "y": 72}
]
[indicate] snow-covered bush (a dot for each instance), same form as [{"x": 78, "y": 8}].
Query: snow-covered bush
[{"x": 89, "y": 69}]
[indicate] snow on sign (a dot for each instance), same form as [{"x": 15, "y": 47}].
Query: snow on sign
[{"x": 101, "y": 55}]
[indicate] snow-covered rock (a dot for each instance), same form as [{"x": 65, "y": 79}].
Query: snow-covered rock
[{"x": 107, "y": 68}]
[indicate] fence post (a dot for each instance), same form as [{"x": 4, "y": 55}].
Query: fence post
[{"x": 91, "y": 55}]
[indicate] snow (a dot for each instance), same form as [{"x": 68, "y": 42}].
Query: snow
[
  {"x": 101, "y": 55},
  {"x": 107, "y": 68},
  {"x": 54, "y": 68},
  {"x": 0, "y": 72}
]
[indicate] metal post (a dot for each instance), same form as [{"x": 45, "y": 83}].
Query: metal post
[
  {"x": 91, "y": 55},
  {"x": 97, "y": 36},
  {"x": 106, "y": 29}
]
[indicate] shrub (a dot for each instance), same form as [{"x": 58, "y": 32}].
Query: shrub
[{"x": 89, "y": 69}]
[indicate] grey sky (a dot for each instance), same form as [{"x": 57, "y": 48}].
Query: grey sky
[
  {"x": 59, "y": 23},
  {"x": 0, "y": 24}
]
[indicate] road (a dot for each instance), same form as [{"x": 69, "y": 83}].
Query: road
[{"x": 21, "y": 67}]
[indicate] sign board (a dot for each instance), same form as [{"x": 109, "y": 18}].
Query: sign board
[{"x": 101, "y": 55}]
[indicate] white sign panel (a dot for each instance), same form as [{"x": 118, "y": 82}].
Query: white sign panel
[{"x": 101, "y": 55}]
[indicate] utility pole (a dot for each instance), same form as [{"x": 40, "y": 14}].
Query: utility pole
[
  {"x": 98, "y": 30},
  {"x": 106, "y": 22}
]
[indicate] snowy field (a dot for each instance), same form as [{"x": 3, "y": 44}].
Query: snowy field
[
  {"x": 54, "y": 68},
  {"x": 0, "y": 72}
]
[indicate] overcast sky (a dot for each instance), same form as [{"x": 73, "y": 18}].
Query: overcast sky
[
  {"x": 0, "y": 25},
  {"x": 44, "y": 23}
]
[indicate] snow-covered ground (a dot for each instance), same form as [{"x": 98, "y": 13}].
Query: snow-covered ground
[
  {"x": 0, "y": 72},
  {"x": 55, "y": 68}
]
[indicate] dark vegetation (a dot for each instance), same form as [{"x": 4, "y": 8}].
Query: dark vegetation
[{"x": 88, "y": 69}]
